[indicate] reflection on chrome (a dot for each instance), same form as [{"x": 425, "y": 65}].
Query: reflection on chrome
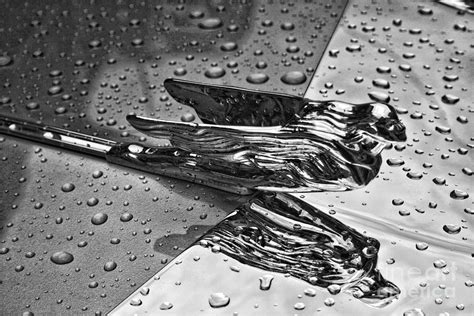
[
  {"x": 280, "y": 233},
  {"x": 263, "y": 143}
]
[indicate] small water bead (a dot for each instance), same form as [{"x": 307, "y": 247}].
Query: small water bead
[
  {"x": 299, "y": 306},
  {"x": 4, "y": 250},
  {"x": 137, "y": 42},
  {"x": 145, "y": 291},
  {"x": 210, "y": 24},
  {"x": 421, "y": 246},
  {"x": 287, "y": 26},
  {"x": 443, "y": 129},
  {"x": 99, "y": 218},
  {"x": 452, "y": 229},
  {"x": 397, "y": 202},
  {"x": 92, "y": 201},
  {"x": 381, "y": 83},
  {"x": 395, "y": 162},
  {"x": 266, "y": 282},
  {"x": 379, "y": 96},
  {"x": 214, "y": 72},
  {"x": 166, "y": 306},
  {"x": 294, "y": 78},
  {"x": 229, "y": 46},
  {"x": 384, "y": 69},
  {"x": 135, "y": 302},
  {"x": 329, "y": 301},
  {"x": 62, "y": 257},
  {"x": 439, "y": 181},
  {"x": 32, "y": 106},
  {"x": 180, "y": 71},
  {"x": 354, "y": 48},
  {"x": 55, "y": 90},
  {"x": 257, "y": 78},
  {"x": 404, "y": 67},
  {"x": 414, "y": 175},
  {"x": 5, "y": 60},
  {"x": 188, "y": 117},
  {"x": 217, "y": 300},
  {"x": 125, "y": 217},
  {"x": 439, "y": 263},
  {"x": 95, "y": 43},
  {"x": 334, "y": 289},
  {"x": 450, "y": 99},
  {"x": 110, "y": 266},
  {"x": 97, "y": 174},
  {"x": 425, "y": 11},
  {"x": 459, "y": 195},
  {"x": 68, "y": 187}
]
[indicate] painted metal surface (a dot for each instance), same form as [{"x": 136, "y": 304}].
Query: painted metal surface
[{"x": 79, "y": 235}]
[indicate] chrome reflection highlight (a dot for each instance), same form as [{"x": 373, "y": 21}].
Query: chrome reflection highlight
[{"x": 280, "y": 233}]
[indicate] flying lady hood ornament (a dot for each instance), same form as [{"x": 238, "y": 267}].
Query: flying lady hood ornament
[{"x": 266, "y": 141}]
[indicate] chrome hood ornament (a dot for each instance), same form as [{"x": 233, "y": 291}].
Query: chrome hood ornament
[
  {"x": 250, "y": 140},
  {"x": 274, "y": 142}
]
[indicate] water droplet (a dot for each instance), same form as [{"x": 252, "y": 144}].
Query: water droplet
[
  {"x": 439, "y": 263},
  {"x": 188, "y": 117},
  {"x": 287, "y": 26},
  {"x": 421, "y": 246},
  {"x": 229, "y": 46},
  {"x": 381, "y": 83},
  {"x": 451, "y": 229},
  {"x": 450, "y": 99},
  {"x": 54, "y": 90},
  {"x": 395, "y": 162},
  {"x": 214, "y": 72},
  {"x": 32, "y": 106},
  {"x": 166, "y": 305},
  {"x": 310, "y": 292},
  {"x": 99, "y": 218},
  {"x": 218, "y": 300},
  {"x": 257, "y": 78},
  {"x": 97, "y": 174},
  {"x": 294, "y": 78},
  {"x": 334, "y": 289},
  {"x": 379, "y": 96},
  {"x": 329, "y": 301},
  {"x": 62, "y": 257},
  {"x": 459, "y": 195},
  {"x": 135, "y": 302},
  {"x": 125, "y": 217},
  {"x": 299, "y": 306},
  {"x": 5, "y": 60},
  {"x": 266, "y": 282},
  {"x": 92, "y": 201},
  {"x": 110, "y": 266},
  {"x": 68, "y": 187},
  {"x": 210, "y": 24}
]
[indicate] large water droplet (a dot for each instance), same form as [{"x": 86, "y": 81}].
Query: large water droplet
[
  {"x": 257, "y": 78},
  {"x": 294, "y": 77},
  {"x": 266, "y": 282},
  {"x": 218, "y": 300},
  {"x": 210, "y": 24},
  {"x": 62, "y": 257},
  {"x": 99, "y": 218},
  {"x": 214, "y": 72}
]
